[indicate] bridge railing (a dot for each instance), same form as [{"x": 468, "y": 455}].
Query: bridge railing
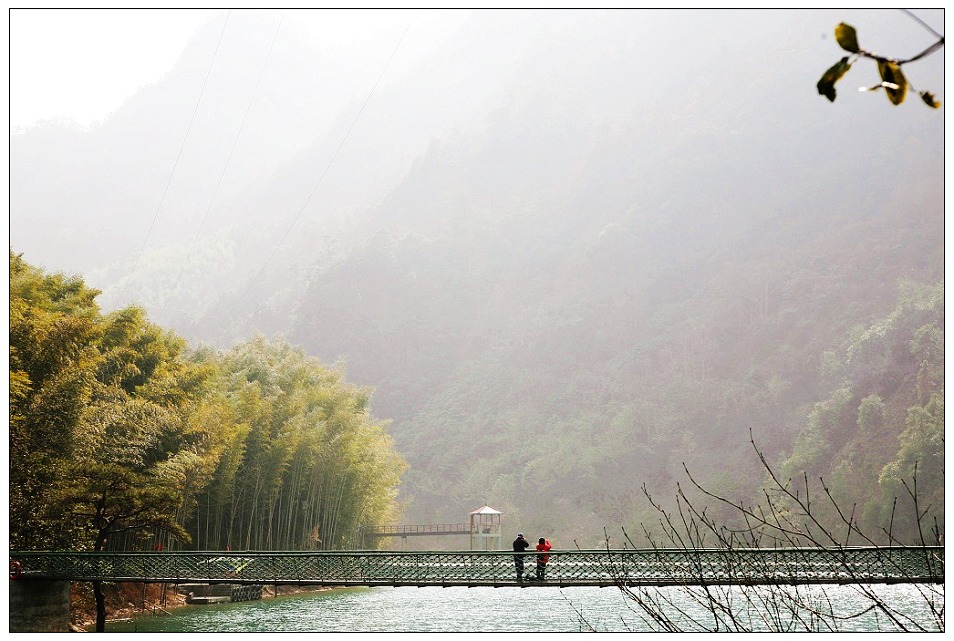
[
  {"x": 578, "y": 567},
  {"x": 417, "y": 530}
]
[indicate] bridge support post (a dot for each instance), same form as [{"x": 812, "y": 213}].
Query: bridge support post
[{"x": 39, "y": 606}]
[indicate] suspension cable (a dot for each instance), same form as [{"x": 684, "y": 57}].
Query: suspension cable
[
  {"x": 248, "y": 108},
  {"x": 330, "y": 162},
  {"x": 178, "y": 156}
]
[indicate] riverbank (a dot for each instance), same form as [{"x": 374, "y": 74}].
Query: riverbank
[{"x": 129, "y": 600}]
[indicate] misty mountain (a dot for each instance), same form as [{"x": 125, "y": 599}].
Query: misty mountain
[{"x": 571, "y": 251}]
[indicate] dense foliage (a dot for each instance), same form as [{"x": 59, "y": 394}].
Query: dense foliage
[
  {"x": 304, "y": 464},
  {"x": 878, "y": 440},
  {"x": 121, "y": 438}
]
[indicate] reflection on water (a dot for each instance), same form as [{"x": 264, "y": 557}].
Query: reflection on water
[{"x": 460, "y": 609}]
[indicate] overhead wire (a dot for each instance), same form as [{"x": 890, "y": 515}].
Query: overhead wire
[
  {"x": 195, "y": 109},
  {"x": 228, "y": 161},
  {"x": 330, "y": 163}
]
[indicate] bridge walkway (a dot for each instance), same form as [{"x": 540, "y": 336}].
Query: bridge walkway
[{"x": 497, "y": 569}]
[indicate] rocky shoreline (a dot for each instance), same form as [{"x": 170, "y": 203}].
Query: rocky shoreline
[{"x": 125, "y": 601}]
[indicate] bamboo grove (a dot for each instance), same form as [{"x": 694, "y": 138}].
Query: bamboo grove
[{"x": 122, "y": 437}]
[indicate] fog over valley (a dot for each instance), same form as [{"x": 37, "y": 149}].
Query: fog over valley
[{"x": 569, "y": 251}]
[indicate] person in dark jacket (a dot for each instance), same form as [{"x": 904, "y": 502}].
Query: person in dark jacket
[
  {"x": 520, "y": 544},
  {"x": 542, "y": 559}
]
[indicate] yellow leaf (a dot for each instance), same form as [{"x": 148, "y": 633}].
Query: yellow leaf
[
  {"x": 929, "y": 100},
  {"x": 847, "y": 37},
  {"x": 894, "y": 83},
  {"x": 826, "y": 85}
]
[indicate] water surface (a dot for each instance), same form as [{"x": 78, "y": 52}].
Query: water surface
[{"x": 459, "y": 609}]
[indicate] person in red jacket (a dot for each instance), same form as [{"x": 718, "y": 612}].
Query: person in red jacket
[{"x": 542, "y": 546}]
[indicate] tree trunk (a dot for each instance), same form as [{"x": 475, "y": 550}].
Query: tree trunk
[{"x": 100, "y": 606}]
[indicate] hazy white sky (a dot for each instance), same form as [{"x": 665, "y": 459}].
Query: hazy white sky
[{"x": 84, "y": 63}]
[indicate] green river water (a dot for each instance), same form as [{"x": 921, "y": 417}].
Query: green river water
[{"x": 538, "y": 609}]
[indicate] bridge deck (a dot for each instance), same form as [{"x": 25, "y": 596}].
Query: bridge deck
[{"x": 497, "y": 569}]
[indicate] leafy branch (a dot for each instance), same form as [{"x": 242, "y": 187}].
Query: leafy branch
[{"x": 893, "y": 80}]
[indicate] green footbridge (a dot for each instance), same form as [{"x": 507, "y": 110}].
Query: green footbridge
[{"x": 632, "y": 567}]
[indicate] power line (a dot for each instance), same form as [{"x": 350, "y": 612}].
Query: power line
[
  {"x": 178, "y": 156},
  {"x": 330, "y": 162},
  {"x": 225, "y": 168}
]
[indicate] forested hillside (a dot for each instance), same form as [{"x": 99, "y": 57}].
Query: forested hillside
[
  {"x": 569, "y": 252},
  {"x": 551, "y": 331},
  {"x": 554, "y": 376}
]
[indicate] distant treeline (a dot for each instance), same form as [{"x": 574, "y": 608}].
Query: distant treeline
[{"x": 122, "y": 437}]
